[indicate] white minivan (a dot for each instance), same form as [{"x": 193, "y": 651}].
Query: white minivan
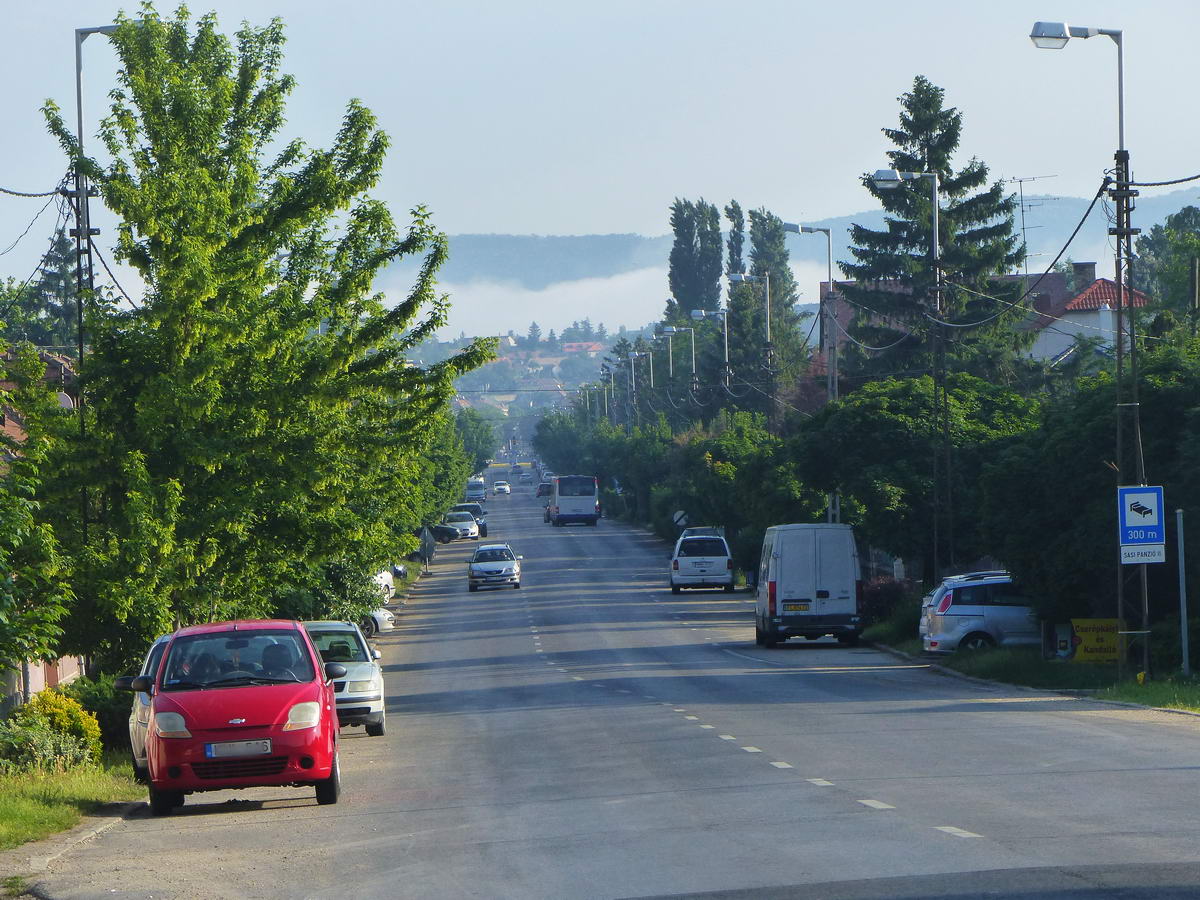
[
  {"x": 574, "y": 498},
  {"x": 809, "y": 584}
]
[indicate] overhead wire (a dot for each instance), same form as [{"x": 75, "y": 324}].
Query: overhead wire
[{"x": 18, "y": 294}]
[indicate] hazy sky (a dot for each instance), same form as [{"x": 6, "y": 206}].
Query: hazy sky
[{"x": 570, "y": 118}]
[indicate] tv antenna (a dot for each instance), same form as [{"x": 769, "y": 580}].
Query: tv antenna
[{"x": 1020, "y": 182}]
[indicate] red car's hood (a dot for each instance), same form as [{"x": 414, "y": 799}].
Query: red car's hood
[{"x": 256, "y": 705}]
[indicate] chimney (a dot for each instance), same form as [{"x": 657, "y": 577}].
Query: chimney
[{"x": 1085, "y": 274}]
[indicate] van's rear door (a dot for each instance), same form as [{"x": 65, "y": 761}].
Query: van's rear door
[
  {"x": 837, "y": 572},
  {"x": 795, "y": 589}
]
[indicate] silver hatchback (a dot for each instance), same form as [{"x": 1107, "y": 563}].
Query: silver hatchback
[{"x": 982, "y": 609}]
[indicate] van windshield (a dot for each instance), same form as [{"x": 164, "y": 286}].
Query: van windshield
[{"x": 576, "y": 486}]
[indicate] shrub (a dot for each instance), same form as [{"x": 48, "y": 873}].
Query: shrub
[
  {"x": 35, "y": 746},
  {"x": 108, "y": 705},
  {"x": 881, "y": 597},
  {"x": 56, "y": 712}
]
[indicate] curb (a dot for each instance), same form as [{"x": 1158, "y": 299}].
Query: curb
[
  {"x": 49, "y": 849},
  {"x": 1064, "y": 692}
]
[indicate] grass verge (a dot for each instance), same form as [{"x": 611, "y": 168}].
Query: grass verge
[
  {"x": 1172, "y": 693},
  {"x": 33, "y": 806},
  {"x": 1025, "y": 666}
]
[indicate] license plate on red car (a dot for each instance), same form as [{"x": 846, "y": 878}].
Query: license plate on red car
[{"x": 238, "y": 748}]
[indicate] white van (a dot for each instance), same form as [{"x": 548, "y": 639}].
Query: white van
[
  {"x": 574, "y": 498},
  {"x": 476, "y": 491},
  {"x": 809, "y": 584}
]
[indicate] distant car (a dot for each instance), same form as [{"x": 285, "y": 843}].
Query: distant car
[
  {"x": 139, "y": 714},
  {"x": 444, "y": 534},
  {"x": 359, "y": 695},
  {"x": 978, "y": 610},
  {"x": 526, "y": 478},
  {"x": 516, "y": 468},
  {"x": 378, "y": 620},
  {"x": 464, "y": 522},
  {"x": 237, "y": 705},
  {"x": 493, "y": 565},
  {"x": 701, "y": 561},
  {"x": 501, "y": 487},
  {"x": 545, "y": 489},
  {"x": 475, "y": 509}
]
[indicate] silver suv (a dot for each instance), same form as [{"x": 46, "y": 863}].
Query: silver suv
[{"x": 977, "y": 610}]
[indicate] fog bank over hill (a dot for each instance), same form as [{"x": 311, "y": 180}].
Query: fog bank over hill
[{"x": 502, "y": 282}]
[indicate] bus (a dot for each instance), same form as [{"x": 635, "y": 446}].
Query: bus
[{"x": 574, "y": 498}]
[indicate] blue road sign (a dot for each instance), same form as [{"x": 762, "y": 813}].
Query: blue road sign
[{"x": 1140, "y": 515}]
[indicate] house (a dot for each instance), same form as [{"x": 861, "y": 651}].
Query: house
[{"x": 591, "y": 348}]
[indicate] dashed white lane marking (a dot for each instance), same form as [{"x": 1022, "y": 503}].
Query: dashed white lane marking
[
  {"x": 679, "y": 709},
  {"x": 564, "y": 670},
  {"x": 539, "y": 649},
  {"x": 692, "y": 718},
  {"x": 708, "y": 726},
  {"x": 600, "y": 685},
  {"x": 876, "y": 804},
  {"x": 622, "y": 690},
  {"x": 727, "y": 737},
  {"x": 752, "y": 750},
  {"x": 651, "y": 696},
  {"x": 957, "y": 832},
  {"x": 819, "y": 782},
  {"x": 577, "y": 677},
  {"x": 782, "y": 765}
]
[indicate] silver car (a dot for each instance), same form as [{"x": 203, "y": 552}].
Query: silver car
[
  {"x": 494, "y": 565},
  {"x": 139, "y": 714},
  {"x": 977, "y": 610},
  {"x": 359, "y": 695}
]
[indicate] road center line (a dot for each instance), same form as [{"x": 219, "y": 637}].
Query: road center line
[
  {"x": 957, "y": 832},
  {"x": 876, "y": 804},
  {"x": 727, "y": 737},
  {"x": 819, "y": 782},
  {"x": 782, "y": 765},
  {"x": 752, "y": 750}
]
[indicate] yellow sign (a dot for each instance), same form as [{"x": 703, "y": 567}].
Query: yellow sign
[{"x": 1090, "y": 640}]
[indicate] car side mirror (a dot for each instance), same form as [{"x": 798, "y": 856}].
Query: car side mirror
[
  {"x": 375, "y": 654},
  {"x": 143, "y": 684},
  {"x": 124, "y": 683},
  {"x": 519, "y": 556},
  {"x": 334, "y": 670}
]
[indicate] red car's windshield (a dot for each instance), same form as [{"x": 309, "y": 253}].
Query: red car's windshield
[{"x": 234, "y": 658}]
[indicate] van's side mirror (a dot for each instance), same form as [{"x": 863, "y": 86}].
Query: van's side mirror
[
  {"x": 143, "y": 684},
  {"x": 124, "y": 683},
  {"x": 375, "y": 654},
  {"x": 334, "y": 670}
]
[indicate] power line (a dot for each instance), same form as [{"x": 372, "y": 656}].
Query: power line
[
  {"x": 94, "y": 249},
  {"x": 32, "y": 221},
  {"x": 12, "y": 193},
  {"x": 62, "y": 217}
]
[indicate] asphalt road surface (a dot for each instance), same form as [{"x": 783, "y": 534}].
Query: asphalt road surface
[{"x": 593, "y": 735}]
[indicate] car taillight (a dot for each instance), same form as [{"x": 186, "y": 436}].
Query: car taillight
[
  {"x": 770, "y": 598},
  {"x": 945, "y": 602},
  {"x": 675, "y": 562},
  {"x": 729, "y": 564}
]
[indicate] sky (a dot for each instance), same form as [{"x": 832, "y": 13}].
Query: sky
[{"x": 559, "y": 117}]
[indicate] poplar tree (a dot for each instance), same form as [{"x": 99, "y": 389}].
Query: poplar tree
[
  {"x": 256, "y": 419},
  {"x": 695, "y": 260},
  {"x": 976, "y": 238}
]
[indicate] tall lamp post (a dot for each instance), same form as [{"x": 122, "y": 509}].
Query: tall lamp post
[
  {"x": 699, "y": 314},
  {"x": 891, "y": 179},
  {"x": 671, "y": 330},
  {"x": 765, "y": 279},
  {"x": 1055, "y": 36}
]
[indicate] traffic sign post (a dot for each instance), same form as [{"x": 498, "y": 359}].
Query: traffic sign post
[{"x": 1142, "y": 532}]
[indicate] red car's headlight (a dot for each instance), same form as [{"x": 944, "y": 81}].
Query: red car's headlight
[
  {"x": 303, "y": 715},
  {"x": 171, "y": 725}
]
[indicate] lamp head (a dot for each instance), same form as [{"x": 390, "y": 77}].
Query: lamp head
[
  {"x": 669, "y": 329},
  {"x": 1050, "y": 35},
  {"x": 697, "y": 314},
  {"x": 886, "y": 179},
  {"x": 792, "y": 227}
]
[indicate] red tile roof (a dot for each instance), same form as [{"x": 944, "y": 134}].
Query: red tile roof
[{"x": 1103, "y": 292}]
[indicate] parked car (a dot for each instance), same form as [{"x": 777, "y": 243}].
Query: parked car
[
  {"x": 516, "y": 469},
  {"x": 378, "y": 620},
  {"x": 809, "y": 584},
  {"x": 241, "y": 704},
  {"x": 359, "y": 695},
  {"x": 465, "y": 523},
  {"x": 526, "y": 478},
  {"x": 501, "y": 487},
  {"x": 701, "y": 561},
  {"x": 476, "y": 510},
  {"x": 443, "y": 533},
  {"x": 139, "y": 713},
  {"x": 977, "y": 610},
  {"x": 386, "y": 582},
  {"x": 494, "y": 565},
  {"x": 702, "y": 530}
]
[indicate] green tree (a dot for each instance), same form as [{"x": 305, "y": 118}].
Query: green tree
[
  {"x": 256, "y": 420},
  {"x": 695, "y": 261},
  {"x": 1164, "y": 269},
  {"x": 976, "y": 237},
  {"x": 43, "y": 312},
  {"x": 478, "y": 437},
  {"x": 534, "y": 335},
  {"x": 34, "y": 590}
]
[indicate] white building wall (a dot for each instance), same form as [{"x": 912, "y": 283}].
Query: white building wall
[{"x": 1059, "y": 335}]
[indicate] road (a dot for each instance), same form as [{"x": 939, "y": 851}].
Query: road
[{"x": 592, "y": 735}]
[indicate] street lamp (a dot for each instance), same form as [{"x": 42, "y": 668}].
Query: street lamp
[
  {"x": 634, "y": 354},
  {"x": 670, "y": 330},
  {"x": 699, "y": 314},
  {"x": 742, "y": 278},
  {"x": 662, "y": 332},
  {"x": 1054, "y": 36},
  {"x": 828, "y": 313},
  {"x": 889, "y": 180}
]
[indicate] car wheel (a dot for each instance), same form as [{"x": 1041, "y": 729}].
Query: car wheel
[
  {"x": 162, "y": 802},
  {"x": 849, "y": 640},
  {"x": 770, "y": 639},
  {"x": 483, "y": 533},
  {"x": 377, "y": 729},
  {"x": 474, "y": 587},
  {"x": 369, "y": 627},
  {"x": 976, "y": 641},
  {"x": 516, "y": 585},
  {"x": 674, "y": 589},
  {"x": 729, "y": 587},
  {"x": 330, "y": 789},
  {"x": 140, "y": 775},
  {"x": 758, "y": 635}
]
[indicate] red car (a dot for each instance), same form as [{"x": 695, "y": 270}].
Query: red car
[{"x": 241, "y": 704}]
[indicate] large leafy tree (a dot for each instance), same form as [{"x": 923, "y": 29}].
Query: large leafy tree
[
  {"x": 976, "y": 237},
  {"x": 42, "y": 311},
  {"x": 478, "y": 437},
  {"x": 256, "y": 419},
  {"x": 1164, "y": 264}
]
